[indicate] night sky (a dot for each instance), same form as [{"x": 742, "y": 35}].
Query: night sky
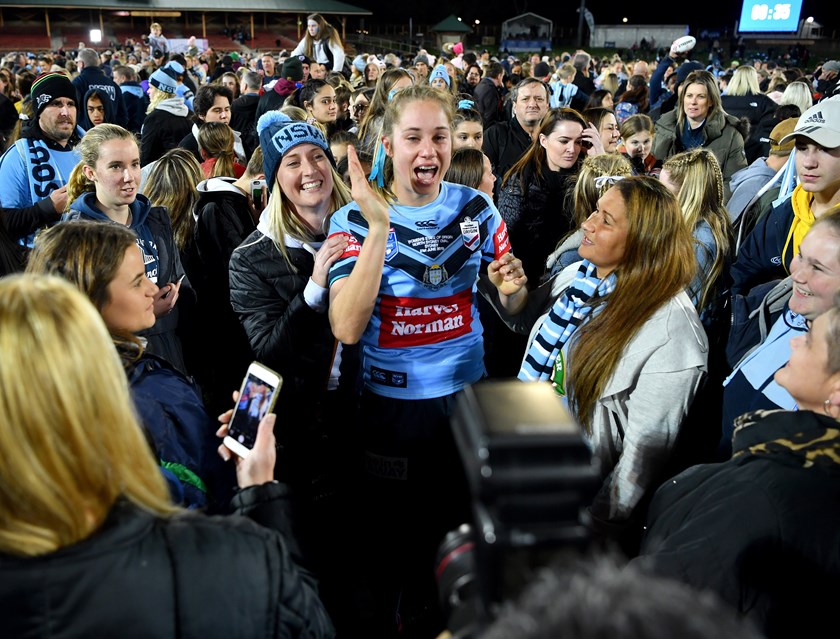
[{"x": 708, "y": 14}]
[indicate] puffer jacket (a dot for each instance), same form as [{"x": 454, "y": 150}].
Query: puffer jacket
[
  {"x": 724, "y": 136},
  {"x": 186, "y": 576},
  {"x": 758, "y": 109},
  {"x": 291, "y": 337}
]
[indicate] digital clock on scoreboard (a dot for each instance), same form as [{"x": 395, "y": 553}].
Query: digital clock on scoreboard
[{"x": 761, "y": 15}]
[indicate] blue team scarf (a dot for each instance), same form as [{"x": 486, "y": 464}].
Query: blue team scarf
[{"x": 568, "y": 312}]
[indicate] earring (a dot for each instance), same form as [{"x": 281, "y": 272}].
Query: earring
[{"x": 827, "y": 408}]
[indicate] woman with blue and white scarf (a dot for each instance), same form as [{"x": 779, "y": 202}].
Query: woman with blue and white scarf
[{"x": 619, "y": 339}]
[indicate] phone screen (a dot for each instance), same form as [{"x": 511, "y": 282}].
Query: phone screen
[
  {"x": 255, "y": 400},
  {"x": 256, "y": 190}
]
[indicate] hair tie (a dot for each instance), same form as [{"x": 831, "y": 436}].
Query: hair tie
[
  {"x": 392, "y": 93},
  {"x": 604, "y": 180},
  {"x": 466, "y": 104},
  {"x": 377, "y": 169}
]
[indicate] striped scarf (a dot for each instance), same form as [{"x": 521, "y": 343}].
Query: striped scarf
[{"x": 568, "y": 312}]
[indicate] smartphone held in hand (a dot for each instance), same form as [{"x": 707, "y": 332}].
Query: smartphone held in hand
[
  {"x": 256, "y": 398},
  {"x": 257, "y": 187}
]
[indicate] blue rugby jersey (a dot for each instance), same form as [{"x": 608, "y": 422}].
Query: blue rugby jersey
[{"x": 424, "y": 337}]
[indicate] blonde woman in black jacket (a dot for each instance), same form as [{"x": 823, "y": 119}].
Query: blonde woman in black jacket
[{"x": 89, "y": 541}]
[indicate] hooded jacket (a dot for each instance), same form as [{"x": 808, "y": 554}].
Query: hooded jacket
[
  {"x": 163, "y": 129},
  {"x": 95, "y": 78},
  {"x": 84, "y": 120},
  {"x": 223, "y": 221},
  {"x": 758, "y": 109},
  {"x": 723, "y": 135},
  {"x": 153, "y": 229},
  {"x": 136, "y": 104},
  {"x": 761, "y": 529},
  {"x": 762, "y": 257},
  {"x": 745, "y": 184},
  {"x": 273, "y": 99}
]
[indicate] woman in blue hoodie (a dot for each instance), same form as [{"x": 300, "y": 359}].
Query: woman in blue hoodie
[{"x": 103, "y": 187}]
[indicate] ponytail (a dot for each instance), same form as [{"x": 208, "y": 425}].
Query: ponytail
[{"x": 78, "y": 184}]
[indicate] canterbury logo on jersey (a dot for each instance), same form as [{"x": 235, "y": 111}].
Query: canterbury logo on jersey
[
  {"x": 426, "y": 224},
  {"x": 413, "y": 321}
]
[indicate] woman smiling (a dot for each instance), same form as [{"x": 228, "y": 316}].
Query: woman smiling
[{"x": 628, "y": 365}]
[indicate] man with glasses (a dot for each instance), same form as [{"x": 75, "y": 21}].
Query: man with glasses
[{"x": 473, "y": 77}]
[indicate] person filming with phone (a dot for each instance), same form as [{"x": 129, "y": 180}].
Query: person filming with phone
[{"x": 90, "y": 541}]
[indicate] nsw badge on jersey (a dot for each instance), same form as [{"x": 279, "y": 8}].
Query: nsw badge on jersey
[
  {"x": 435, "y": 277},
  {"x": 391, "y": 246},
  {"x": 470, "y": 234}
]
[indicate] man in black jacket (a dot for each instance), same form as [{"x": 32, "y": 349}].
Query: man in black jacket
[
  {"x": 488, "y": 95},
  {"x": 243, "y": 111},
  {"x": 506, "y": 142}
]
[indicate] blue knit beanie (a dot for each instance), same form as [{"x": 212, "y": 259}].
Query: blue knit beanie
[
  {"x": 440, "y": 72},
  {"x": 279, "y": 134},
  {"x": 166, "y": 78}
]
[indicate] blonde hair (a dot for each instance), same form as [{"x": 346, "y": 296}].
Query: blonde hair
[
  {"x": 658, "y": 259},
  {"x": 585, "y": 194},
  {"x": 698, "y": 176},
  {"x": 68, "y": 418},
  {"x": 744, "y": 81},
  {"x": 88, "y": 150},
  {"x": 283, "y": 220},
  {"x": 159, "y": 96},
  {"x": 172, "y": 183},
  {"x": 216, "y": 140}
]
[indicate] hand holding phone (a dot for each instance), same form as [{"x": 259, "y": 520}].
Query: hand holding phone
[
  {"x": 165, "y": 299},
  {"x": 257, "y": 397}
]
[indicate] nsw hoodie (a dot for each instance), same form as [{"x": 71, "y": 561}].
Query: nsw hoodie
[{"x": 84, "y": 208}]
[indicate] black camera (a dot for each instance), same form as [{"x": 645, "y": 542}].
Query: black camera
[{"x": 531, "y": 477}]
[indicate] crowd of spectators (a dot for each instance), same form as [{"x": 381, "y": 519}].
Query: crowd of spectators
[{"x": 657, "y": 239}]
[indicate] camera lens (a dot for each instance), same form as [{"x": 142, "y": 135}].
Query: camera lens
[{"x": 456, "y": 578}]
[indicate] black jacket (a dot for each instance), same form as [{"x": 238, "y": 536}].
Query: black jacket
[
  {"x": 94, "y": 78},
  {"x": 187, "y": 576},
  {"x": 535, "y": 217},
  {"x": 243, "y": 112},
  {"x": 162, "y": 131},
  {"x": 488, "y": 101},
  {"x": 224, "y": 221},
  {"x": 758, "y": 109},
  {"x": 761, "y": 529},
  {"x": 287, "y": 335},
  {"x": 504, "y": 144}
]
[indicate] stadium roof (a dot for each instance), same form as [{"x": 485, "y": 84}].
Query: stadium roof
[{"x": 333, "y": 7}]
